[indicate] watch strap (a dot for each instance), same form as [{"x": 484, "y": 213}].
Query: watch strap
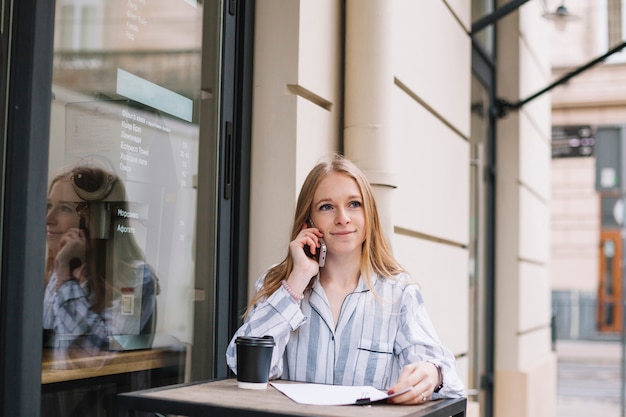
[{"x": 440, "y": 385}]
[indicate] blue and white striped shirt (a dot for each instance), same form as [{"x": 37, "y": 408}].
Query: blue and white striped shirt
[
  {"x": 375, "y": 337},
  {"x": 67, "y": 311}
]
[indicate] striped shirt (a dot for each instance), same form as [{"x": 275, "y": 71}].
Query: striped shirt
[
  {"x": 375, "y": 337},
  {"x": 67, "y": 312}
]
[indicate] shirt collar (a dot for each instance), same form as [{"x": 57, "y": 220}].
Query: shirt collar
[{"x": 360, "y": 287}]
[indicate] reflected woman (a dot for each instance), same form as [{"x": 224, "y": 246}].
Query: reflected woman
[{"x": 99, "y": 292}]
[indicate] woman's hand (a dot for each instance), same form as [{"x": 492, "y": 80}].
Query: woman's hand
[
  {"x": 304, "y": 267},
  {"x": 423, "y": 377},
  {"x": 70, "y": 256}
]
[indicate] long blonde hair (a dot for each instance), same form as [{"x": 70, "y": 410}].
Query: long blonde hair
[{"x": 376, "y": 255}]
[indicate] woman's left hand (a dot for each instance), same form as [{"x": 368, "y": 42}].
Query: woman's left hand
[{"x": 423, "y": 377}]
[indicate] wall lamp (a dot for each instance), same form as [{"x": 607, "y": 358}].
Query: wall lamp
[
  {"x": 561, "y": 13},
  {"x": 560, "y": 16}
]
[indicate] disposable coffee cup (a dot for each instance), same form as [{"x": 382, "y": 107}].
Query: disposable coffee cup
[{"x": 254, "y": 356}]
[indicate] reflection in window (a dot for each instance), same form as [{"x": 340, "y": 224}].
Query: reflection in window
[
  {"x": 80, "y": 26},
  {"x": 100, "y": 294},
  {"x": 126, "y": 83}
]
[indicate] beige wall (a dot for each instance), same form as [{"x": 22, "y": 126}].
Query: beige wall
[
  {"x": 291, "y": 132},
  {"x": 431, "y": 210},
  {"x": 296, "y": 116},
  {"x": 524, "y": 362},
  {"x": 575, "y": 213}
]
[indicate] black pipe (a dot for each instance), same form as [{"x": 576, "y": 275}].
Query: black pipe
[
  {"x": 505, "y": 106},
  {"x": 487, "y": 383}
]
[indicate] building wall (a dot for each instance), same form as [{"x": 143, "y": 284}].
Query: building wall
[
  {"x": 525, "y": 378},
  {"x": 594, "y": 97},
  {"x": 291, "y": 131},
  {"x": 575, "y": 213},
  {"x": 297, "y": 116},
  {"x": 431, "y": 203}
]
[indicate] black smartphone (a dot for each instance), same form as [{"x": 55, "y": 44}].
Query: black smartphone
[{"x": 320, "y": 257}]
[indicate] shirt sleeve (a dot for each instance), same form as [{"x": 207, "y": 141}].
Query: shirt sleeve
[
  {"x": 417, "y": 341},
  {"x": 148, "y": 300},
  {"x": 74, "y": 318},
  {"x": 277, "y": 315}
]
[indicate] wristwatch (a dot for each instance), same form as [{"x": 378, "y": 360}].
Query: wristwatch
[{"x": 438, "y": 387}]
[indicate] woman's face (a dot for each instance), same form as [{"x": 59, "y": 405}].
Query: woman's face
[
  {"x": 338, "y": 213},
  {"x": 61, "y": 215}
]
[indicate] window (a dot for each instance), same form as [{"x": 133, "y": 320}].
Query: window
[
  {"x": 610, "y": 24},
  {"x": 615, "y": 27},
  {"x": 79, "y": 25},
  {"x": 125, "y": 180}
]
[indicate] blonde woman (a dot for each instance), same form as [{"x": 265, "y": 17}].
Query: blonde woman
[
  {"x": 99, "y": 292},
  {"x": 358, "y": 320}
]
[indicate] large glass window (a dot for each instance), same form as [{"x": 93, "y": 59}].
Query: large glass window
[{"x": 122, "y": 198}]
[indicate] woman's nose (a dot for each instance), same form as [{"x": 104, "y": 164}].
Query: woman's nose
[
  {"x": 50, "y": 216},
  {"x": 342, "y": 216}
]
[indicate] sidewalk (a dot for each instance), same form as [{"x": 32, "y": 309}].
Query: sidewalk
[
  {"x": 589, "y": 351},
  {"x": 589, "y": 378}
]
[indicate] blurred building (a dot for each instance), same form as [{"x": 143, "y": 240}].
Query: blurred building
[
  {"x": 586, "y": 252},
  {"x": 213, "y": 112}
]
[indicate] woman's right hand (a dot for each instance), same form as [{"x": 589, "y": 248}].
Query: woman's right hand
[
  {"x": 304, "y": 267},
  {"x": 70, "y": 255}
]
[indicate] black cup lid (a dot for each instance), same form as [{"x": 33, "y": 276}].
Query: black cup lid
[{"x": 255, "y": 341}]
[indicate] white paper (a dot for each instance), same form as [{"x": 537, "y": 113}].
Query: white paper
[{"x": 322, "y": 394}]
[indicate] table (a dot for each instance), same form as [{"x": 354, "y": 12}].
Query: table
[
  {"x": 60, "y": 365},
  {"x": 222, "y": 398}
]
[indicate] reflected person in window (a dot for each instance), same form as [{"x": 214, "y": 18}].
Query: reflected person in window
[
  {"x": 98, "y": 287},
  {"x": 358, "y": 320}
]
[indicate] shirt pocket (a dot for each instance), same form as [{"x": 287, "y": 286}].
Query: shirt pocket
[{"x": 374, "y": 361}]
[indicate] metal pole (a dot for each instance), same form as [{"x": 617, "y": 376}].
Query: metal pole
[
  {"x": 504, "y": 106},
  {"x": 572, "y": 74},
  {"x": 623, "y": 308}
]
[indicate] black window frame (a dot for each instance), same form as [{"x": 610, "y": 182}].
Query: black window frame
[{"x": 27, "y": 26}]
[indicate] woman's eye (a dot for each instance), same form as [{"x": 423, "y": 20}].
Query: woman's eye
[
  {"x": 325, "y": 207},
  {"x": 355, "y": 204}
]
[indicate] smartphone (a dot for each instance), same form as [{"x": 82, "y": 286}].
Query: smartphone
[{"x": 321, "y": 252}]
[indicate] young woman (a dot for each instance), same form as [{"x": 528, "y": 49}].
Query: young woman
[
  {"x": 359, "y": 319},
  {"x": 97, "y": 285}
]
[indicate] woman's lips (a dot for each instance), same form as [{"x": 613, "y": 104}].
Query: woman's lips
[{"x": 343, "y": 233}]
